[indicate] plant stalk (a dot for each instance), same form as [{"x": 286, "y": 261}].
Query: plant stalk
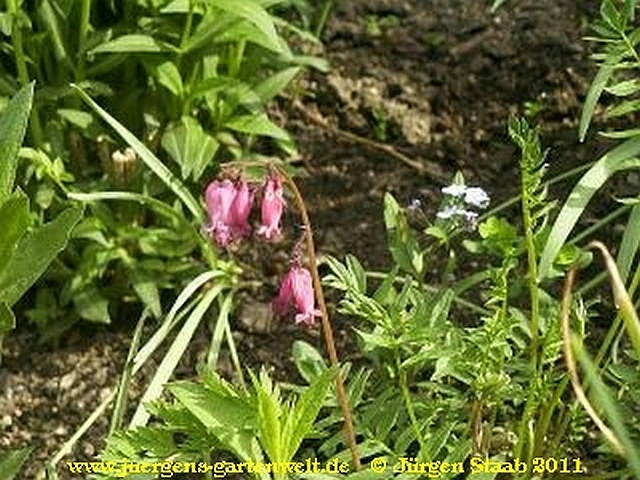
[{"x": 327, "y": 330}]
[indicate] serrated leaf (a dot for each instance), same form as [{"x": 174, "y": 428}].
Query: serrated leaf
[
  {"x": 34, "y": 253},
  {"x": 306, "y": 410},
  {"x": 13, "y": 125}
]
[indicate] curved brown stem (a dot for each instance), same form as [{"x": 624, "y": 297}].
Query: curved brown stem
[{"x": 327, "y": 330}]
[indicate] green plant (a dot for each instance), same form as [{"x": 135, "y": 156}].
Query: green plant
[
  {"x": 191, "y": 79},
  {"x": 25, "y": 252}
]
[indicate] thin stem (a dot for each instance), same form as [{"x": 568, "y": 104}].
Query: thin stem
[
  {"x": 327, "y": 330},
  {"x": 85, "y": 16},
  {"x": 21, "y": 65},
  {"x": 406, "y": 396}
]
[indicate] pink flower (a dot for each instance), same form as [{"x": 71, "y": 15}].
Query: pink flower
[
  {"x": 271, "y": 208},
  {"x": 296, "y": 293},
  {"x": 229, "y": 206},
  {"x": 240, "y": 211}
]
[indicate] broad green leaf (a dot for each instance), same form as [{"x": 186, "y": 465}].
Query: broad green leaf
[
  {"x": 149, "y": 159},
  {"x": 34, "y": 253},
  {"x": 255, "y": 14},
  {"x": 78, "y": 118},
  {"x": 146, "y": 288},
  {"x": 13, "y": 125},
  {"x": 617, "y": 159},
  {"x": 92, "y": 305},
  {"x": 131, "y": 43},
  {"x": 7, "y": 323},
  {"x": 275, "y": 84},
  {"x": 15, "y": 218},
  {"x": 190, "y": 147},
  {"x": 11, "y": 462},
  {"x": 308, "y": 360},
  {"x": 169, "y": 77},
  {"x": 257, "y": 125},
  {"x": 403, "y": 245},
  {"x": 305, "y": 412}
]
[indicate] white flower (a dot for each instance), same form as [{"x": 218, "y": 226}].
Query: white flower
[
  {"x": 450, "y": 211},
  {"x": 477, "y": 197},
  {"x": 454, "y": 190}
]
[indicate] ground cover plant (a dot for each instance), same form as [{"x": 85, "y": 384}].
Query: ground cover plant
[{"x": 467, "y": 351}]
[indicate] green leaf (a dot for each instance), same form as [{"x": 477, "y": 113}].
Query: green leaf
[
  {"x": 131, "y": 43},
  {"x": 252, "y": 12},
  {"x": 11, "y": 462},
  {"x": 630, "y": 243},
  {"x": 617, "y": 159},
  {"x": 7, "y": 322},
  {"x": 308, "y": 360},
  {"x": 272, "y": 86},
  {"x": 78, "y": 118},
  {"x": 257, "y": 125},
  {"x": 300, "y": 421},
  {"x": 169, "y": 77},
  {"x": 594, "y": 93},
  {"x": 190, "y": 147},
  {"x": 92, "y": 305},
  {"x": 624, "y": 88},
  {"x": 13, "y": 125},
  {"x": 146, "y": 288},
  {"x": 403, "y": 245},
  {"x": 15, "y": 221},
  {"x": 34, "y": 253}
]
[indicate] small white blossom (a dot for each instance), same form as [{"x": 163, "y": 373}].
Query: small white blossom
[
  {"x": 476, "y": 197},
  {"x": 449, "y": 211},
  {"x": 454, "y": 190}
]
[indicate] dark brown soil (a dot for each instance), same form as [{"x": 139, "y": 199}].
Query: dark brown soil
[{"x": 434, "y": 83}]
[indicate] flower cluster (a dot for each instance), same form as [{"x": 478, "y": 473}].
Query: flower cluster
[
  {"x": 460, "y": 203},
  {"x": 229, "y": 204}
]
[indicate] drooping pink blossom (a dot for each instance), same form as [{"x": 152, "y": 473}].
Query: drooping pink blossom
[
  {"x": 219, "y": 196},
  {"x": 296, "y": 294},
  {"x": 271, "y": 208},
  {"x": 228, "y": 206},
  {"x": 240, "y": 210}
]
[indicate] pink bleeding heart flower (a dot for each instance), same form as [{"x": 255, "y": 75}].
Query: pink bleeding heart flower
[
  {"x": 296, "y": 294},
  {"x": 240, "y": 210},
  {"x": 271, "y": 208},
  {"x": 228, "y": 206}
]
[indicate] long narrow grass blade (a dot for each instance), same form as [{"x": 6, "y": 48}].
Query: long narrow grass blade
[
  {"x": 569, "y": 344},
  {"x": 173, "y": 356},
  {"x": 158, "y": 337},
  {"x": 593, "y": 95},
  {"x": 123, "y": 387},
  {"x": 620, "y": 158},
  {"x": 629, "y": 244},
  {"x": 621, "y": 297},
  {"x": 218, "y": 332},
  {"x": 147, "y": 157}
]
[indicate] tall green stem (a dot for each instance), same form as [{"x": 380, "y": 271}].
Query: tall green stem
[{"x": 85, "y": 16}]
